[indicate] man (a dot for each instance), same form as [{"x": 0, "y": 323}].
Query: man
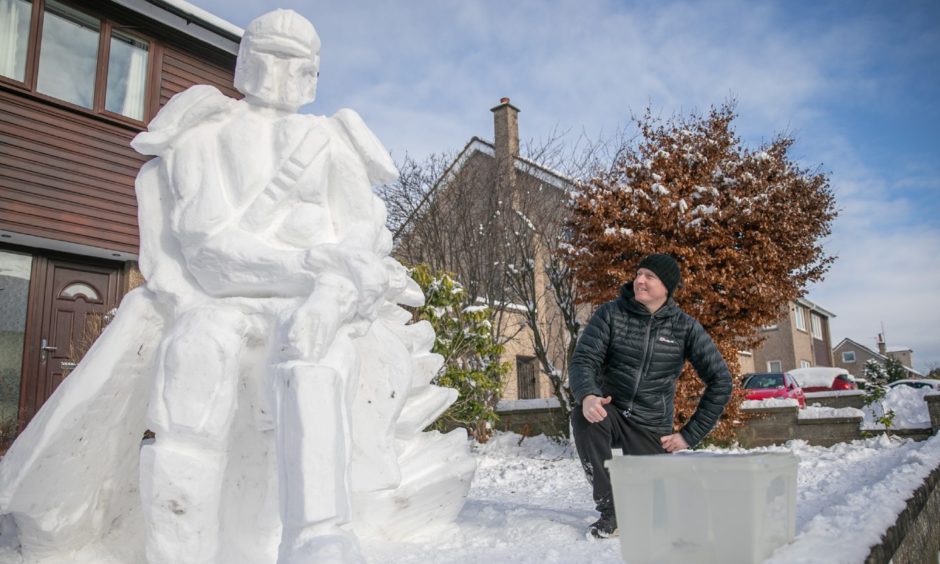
[{"x": 623, "y": 375}]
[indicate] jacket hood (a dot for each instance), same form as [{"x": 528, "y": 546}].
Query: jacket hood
[{"x": 627, "y": 296}]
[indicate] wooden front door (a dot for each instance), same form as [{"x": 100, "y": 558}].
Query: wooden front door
[{"x": 73, "y": 298}]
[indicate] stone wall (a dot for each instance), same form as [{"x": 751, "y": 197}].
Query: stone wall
[
  {"x": 532, "y": 417},
  {"x": 837, "y": 400},
  {"x": 913, "y": 538},
  {"x": 933, "y": 407},
  {"x": 777, "y": 425}
]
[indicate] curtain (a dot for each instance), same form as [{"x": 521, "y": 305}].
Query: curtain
[{"x": 133, "y": 106}]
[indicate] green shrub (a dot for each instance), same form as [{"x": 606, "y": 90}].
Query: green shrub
[{"x": 464, "y": 338}]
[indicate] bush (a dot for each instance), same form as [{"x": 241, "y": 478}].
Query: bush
[{"x": 471, "y": 355}]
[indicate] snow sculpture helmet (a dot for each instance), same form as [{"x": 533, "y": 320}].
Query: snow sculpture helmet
[{"x": 278, "y": 60}]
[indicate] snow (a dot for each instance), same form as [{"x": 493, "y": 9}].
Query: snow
[
  {"x": 769, "y": 402},
  {"x": 816, "y": 376},
  {"x": 819, "y": 412},
  {"x": 530, "y": 504},
  {"x": 527, "y": 404},
  {"x": 910, "y": 409}
]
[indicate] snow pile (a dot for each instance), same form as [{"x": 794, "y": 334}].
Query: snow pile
[
  {"x": 907, "y": 403},
  {"x": 769, "y": 402},
  {"x": 819, "y": 412}
]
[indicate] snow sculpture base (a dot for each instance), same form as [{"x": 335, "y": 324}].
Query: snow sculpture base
[{"x": 269, "y": 352}]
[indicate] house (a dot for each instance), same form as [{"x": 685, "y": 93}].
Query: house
[
  {"x": 799, "y": 339},
  {"x": 489, "y": 195},
  {"x": 78, "y": 80},
  {"x": 853, "y": 356}
]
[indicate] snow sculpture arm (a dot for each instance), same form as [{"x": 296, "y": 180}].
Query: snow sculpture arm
[{"x": 356, "y": 279}]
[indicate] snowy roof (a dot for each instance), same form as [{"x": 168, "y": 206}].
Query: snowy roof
[
  {"x": 900, "y": 349},
  {"x": 191, "y": 20}
]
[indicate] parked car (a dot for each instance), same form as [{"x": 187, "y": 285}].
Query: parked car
[
  {"x": 779, "y": 385},
  {"x": 920, "y": 383},
  {"x": 823, "y": 379}
]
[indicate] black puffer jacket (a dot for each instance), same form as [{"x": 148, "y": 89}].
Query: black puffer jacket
[{"x": 636, "y": 358}]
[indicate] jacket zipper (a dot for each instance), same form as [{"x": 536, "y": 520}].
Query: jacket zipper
[{"x": 644, "y": 366}]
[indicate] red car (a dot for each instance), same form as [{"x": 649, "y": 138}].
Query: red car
[{"x": 779, "y": 385}]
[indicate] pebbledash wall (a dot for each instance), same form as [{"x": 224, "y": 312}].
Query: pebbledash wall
[{"x": 87, "y": 76}]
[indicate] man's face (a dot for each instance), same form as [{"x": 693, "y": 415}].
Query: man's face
[{"x": 648, "y": 289}]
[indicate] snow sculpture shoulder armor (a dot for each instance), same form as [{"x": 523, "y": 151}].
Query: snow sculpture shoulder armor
[{"x": 378, "y": 163}]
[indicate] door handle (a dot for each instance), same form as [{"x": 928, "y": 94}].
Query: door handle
[{"x": 44, "y": 348}]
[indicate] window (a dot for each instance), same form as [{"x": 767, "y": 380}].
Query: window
[
  {"x": 816, "y": 326},
  {"x": 526, "y": 378},
  {"x": 769, "y": 327},
  {"x": 127, "y": 76},
  {"x": 848, "y": 356},
  {"x": 14, "y": 38},
  {"x": 800, "y": 320},
  {"x": 805, "y": 364},
  {"x": 14, "y": 290},
  {"x": 774, "y": 366},
  {"x": 82, "y": 59}
]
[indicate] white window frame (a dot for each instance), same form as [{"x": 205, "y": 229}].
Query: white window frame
[
  {"x": 846, "y": 355},
  {"x": 800, "y": 320},
  {"x": 769, "y": 327},
  {"x": 805, "y": 364},
  {"x": 816, "y": 325},
  {"x": 771, "y": 363}
]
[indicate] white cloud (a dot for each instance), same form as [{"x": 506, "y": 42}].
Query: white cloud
[{"x": 425, "y": 73}]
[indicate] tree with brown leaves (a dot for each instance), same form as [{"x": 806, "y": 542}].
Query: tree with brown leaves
[{"x": 746, "y": 227}]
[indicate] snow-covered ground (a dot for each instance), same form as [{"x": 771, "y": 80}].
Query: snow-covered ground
[{"x": 530, "y": 503}]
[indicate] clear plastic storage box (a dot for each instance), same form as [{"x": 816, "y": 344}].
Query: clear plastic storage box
[{"x": 704, "y": 507}]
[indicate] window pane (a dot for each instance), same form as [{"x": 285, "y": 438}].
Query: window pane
[
  {"x": 14, "y": 288},
  {"x": 800, "y": 320},
  {"x": 68, "y": 55},
  {"x": 127, "y": 76},
  {"x": 14, "y": 37},
  {"x": 817, "y": 326}
]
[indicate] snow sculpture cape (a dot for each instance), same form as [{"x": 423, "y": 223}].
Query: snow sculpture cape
[{"x": 268, "y": 351}]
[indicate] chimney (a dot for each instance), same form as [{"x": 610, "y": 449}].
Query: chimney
[
  {"x": 506, "y": 130},
  {"x": 882, "y": 349}
]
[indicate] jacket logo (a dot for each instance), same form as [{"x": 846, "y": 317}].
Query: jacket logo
[{"x": 665, "y": 340}]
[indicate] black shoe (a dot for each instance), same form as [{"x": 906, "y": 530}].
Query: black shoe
[{"x": 605, "y": 527}]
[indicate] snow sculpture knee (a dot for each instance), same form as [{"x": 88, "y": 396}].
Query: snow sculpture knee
[{"x": 286, "y": 389}]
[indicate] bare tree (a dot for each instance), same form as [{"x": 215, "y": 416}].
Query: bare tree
[{"x": 504, "y": 239}]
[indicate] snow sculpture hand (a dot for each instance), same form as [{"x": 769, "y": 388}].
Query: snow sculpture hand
[{"x": 312, "y": 328}]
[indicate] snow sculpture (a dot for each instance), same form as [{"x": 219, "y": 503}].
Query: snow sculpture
[{"x": 267, "y": 352}]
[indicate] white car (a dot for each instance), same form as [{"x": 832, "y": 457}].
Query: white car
[{"x": 919, "y": 383}]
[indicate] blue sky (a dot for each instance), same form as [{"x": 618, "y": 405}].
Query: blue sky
[{"x": 857, "y": 84}]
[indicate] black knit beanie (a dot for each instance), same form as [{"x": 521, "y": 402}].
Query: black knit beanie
[{"x": 665, "y": 267}]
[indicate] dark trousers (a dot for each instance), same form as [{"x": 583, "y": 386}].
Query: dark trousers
[{"x": 594, "y": 442}]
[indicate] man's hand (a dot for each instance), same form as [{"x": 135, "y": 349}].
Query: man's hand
[
  {"x": 593, "y": 408},
  {"x": 674, "y": 442}
]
